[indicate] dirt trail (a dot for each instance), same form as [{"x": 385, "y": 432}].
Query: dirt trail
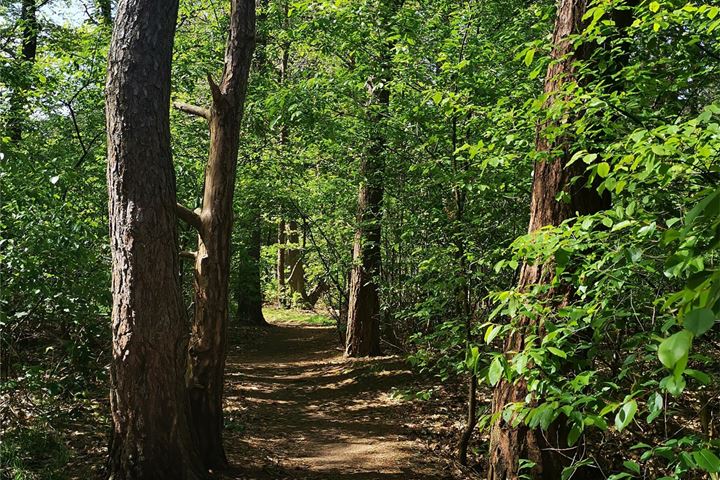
[{"x": 296, "y": 409}]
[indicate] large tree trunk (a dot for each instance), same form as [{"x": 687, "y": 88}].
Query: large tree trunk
[
  {"x": 249, "y": 295},
  {"x": 214, "y": 222},
  {"x": 29, "y": 28},
  {"x": 363, "y": 325},
  {"x": 551, "y": 177},
  {"x": 295, "y": 262},
  {"x": 151, "y": 437}
]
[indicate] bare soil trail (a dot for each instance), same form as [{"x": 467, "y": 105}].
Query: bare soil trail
[{"x": 296, "y": 409}]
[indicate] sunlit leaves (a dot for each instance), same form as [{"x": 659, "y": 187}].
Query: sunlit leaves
[
  {"x": 675, "y": 348},
  {"x": 625, "y": 415},
  {"x": 495, "y": 372}
]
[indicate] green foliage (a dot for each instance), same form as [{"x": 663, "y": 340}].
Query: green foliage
[
  {"x": 32, "y": 454},
  {"x": 643, "y": 274},
  {"x": 297, "y": 316},
  {"x": 629, "y": 312}
]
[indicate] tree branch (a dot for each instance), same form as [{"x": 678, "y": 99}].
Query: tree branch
[
  {"x": 188, "y": 216},
  {"x": 214, "y": 90},
  {"x": 188, "y": 255},
  {"x": 192, "y": 110}
]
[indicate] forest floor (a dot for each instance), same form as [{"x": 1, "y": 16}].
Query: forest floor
[{"x": 296, "y": 409}]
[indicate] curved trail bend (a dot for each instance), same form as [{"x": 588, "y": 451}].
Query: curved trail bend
[{"x": 296, "y": 409}]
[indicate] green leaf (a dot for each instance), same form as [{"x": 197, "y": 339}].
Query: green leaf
[
  {"x": 632, "y": 466},
  {"x": 654, "y": 6},
  {"x": 495, "y": 371},
  {"x": 659, "y": 150},
  {"x": 535, "y": 73},
  {"x": 701, "y": 206},
  {"x": 655, "y": 406},
  {"x": 557, "y": 352},
  {"x": 491, "y": 333},
  {"x": 471, "y": 359},
  {"x": 674, "y": 348},
  {"x": 673, "y": 384},
  {"x": 620, "y": 476},
  {"x": 701, "y": 377},
  {"x": 603, "y": 169},
  {"x": 625, "y": 415},
  {"x": 520, "y": 362},
  {"x": 574, "y": 434},
  {"x": 529, "y": 55},
  {"x": 707, "y": 460},
  {"x": 589, "y": 158},
  {"x": 700, "y": 321}
]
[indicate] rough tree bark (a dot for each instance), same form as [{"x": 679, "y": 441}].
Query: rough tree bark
[
  {"x": 551, "y": 177},
  {"x": 151, "y": 438},
  {"x": 296, "y": 281},
  {"x": 18, "y": 100},
  {"x": 249, "y": 294},
  {"x": 214, "y": 223},
  {"x": 363, "y": 325}
]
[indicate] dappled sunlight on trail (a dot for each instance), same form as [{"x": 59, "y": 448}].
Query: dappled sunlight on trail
[{"x": 297, "y": 409}]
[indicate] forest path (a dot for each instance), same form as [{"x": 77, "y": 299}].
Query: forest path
[{"x": 296, "y": 409}]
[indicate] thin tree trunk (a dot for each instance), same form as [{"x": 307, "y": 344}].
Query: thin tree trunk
[
  {"x": 18, "y": 100},
  {"x": 551, "y": 177},
  {"x": 151, "y": 438},
  {"x": 4, "y": 356},
  {"x": 249, "y": 295},
  {"x": 295, "y": 262},
  {"x": 472, "y": 376},
  {"x": 282, "y": 260},
  {"x": 214, "y": 221},
  {"x": 471, "y": 421},
  {"x": 463, "y": 294},
  {"x": 280, "y": 273}
]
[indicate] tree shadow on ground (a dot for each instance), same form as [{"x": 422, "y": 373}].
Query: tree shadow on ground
[{"x": 298, "y": 410}]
